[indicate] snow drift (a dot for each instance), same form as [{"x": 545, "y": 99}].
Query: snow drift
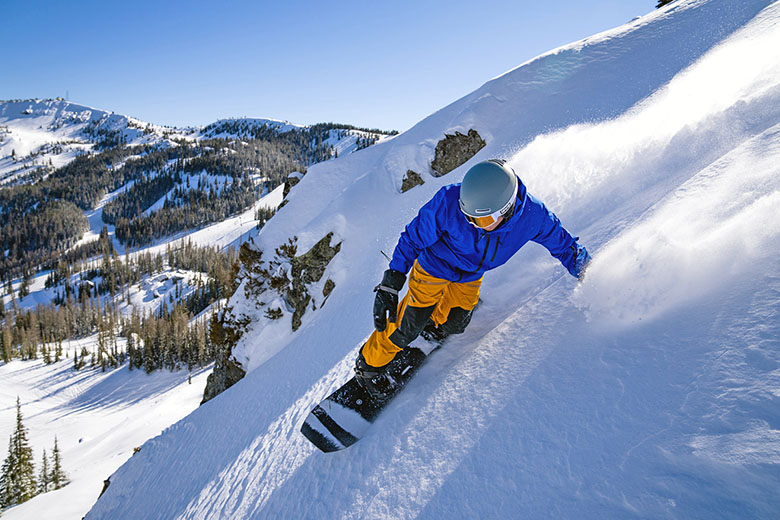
[{"x": 649, "y": 390}]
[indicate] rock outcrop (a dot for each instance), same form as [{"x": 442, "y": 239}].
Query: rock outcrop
[
  {"x": 454, "y": 150},
  {"x": 307, "y": 269},
  {"x": 225, "y": 331},
  {"x": 411, "y": 180},
  {"x": 280, "y": 286}
]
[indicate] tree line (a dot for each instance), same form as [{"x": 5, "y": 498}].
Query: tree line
[
  {"x": 39, "y": 236},
  {"x": 62, "y": 197},
  {"x": 40, "y": 221},
  {"x": 194, "y": 209},
  {"x": 80, "y": 309}
]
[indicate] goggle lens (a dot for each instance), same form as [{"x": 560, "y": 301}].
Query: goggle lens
[{"x": 482, "y": 222}]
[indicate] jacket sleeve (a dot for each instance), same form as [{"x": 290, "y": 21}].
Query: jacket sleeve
[
  {"x": 424, "y": 230},
  {"x": 552, "y": 235}
]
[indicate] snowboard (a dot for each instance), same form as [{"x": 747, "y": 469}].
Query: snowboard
[{"x": 344, "y": 417}]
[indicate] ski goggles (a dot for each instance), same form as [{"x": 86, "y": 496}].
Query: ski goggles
[{"x": 484, "y": 221}]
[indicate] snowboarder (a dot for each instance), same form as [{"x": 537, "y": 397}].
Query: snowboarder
[{"x": 464, "y": 230}]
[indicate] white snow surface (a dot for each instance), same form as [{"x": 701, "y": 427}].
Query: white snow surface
[
  {"x": 98, "y": 418},
  {"x": 650, "y": 390}
]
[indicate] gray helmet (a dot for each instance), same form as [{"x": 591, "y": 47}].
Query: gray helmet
[{"x": 489, "y": 188}]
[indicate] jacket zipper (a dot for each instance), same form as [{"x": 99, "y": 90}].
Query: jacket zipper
[
  {"x": 484, "y": 255},
  {"x": 498, "y": 241},
  {"x": 487, "y": 246}
]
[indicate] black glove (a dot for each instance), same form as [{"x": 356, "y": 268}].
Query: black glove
[{"x": 386, "y": 299}]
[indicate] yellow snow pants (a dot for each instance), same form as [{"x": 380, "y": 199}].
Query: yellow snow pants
[{"x": 448, "y": 304}]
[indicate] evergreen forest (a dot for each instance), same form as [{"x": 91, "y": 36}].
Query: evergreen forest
[{"x": 165, "y": 188}]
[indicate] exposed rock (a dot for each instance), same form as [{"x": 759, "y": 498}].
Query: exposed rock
[
  {"x": 274, "y": 314},
  {"x": 287, "y": 276},
  {"x": 306, "y": 269},
  {"x": 106, "y": 483},
  {"x": 327, "y": 289},
  {"x": 292, "y": 179},
  {"x": 411, "y": 180},
  {"x": 454, "y": 150},
  {"x": 224, "y": 331},
  {"x": 223, "y": 377}
]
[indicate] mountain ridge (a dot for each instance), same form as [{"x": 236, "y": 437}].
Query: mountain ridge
[{"x": 35, "y": 133}]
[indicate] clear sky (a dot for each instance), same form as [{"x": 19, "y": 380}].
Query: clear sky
[{"x": 378, "y": 64}]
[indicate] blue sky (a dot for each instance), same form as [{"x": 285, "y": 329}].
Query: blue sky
[{"x": 378, "y": 64}]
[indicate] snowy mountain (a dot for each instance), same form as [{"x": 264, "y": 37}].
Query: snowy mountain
[
  {"x": 41, "y": 135},
  {"x": 135, "y": 178},
  {"x": 37, "y": 133},
  {"x": 647, "y": 391}
]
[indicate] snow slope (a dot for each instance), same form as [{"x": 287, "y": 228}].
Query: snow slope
[
  {"x": 98, "y": 419},
  {"x": 648, "y": 391}
]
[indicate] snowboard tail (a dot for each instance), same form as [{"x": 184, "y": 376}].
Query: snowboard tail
[{"x": 343, "y": 418}]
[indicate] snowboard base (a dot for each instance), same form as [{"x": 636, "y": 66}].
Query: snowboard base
[{"x": 343, "y": 418}]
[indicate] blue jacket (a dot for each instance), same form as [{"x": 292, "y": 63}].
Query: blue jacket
[{"x": 448, "y": 246}]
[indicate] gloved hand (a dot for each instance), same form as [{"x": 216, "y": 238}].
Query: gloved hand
[
  {"x": 581, "y": 260},
  {"x": 386, "y": 299}
]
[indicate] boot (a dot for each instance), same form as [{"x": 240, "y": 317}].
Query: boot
[
  {"x": 431, "y": 332},
  {"x": 374, "y": 380}
]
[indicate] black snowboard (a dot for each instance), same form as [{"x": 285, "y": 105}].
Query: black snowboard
[{"x": 343, "y": 417}]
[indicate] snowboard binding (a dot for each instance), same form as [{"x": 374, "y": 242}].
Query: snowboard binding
[
  {"x": 433, "y": 333},
  {"x": 376, "y": 381}
]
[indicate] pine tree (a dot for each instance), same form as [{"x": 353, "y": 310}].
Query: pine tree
[
  {"x": 58, "y": 476},
  {"x": 7, "y": 341},
  {"x": 18, "y": 479},
  {"x": 44, "y": 479},
  {"x": 24, "y": 289},
  {"x": 6, "y": 477}
]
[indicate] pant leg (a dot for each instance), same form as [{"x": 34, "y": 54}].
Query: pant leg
[
  {"x": 454, "y": 310},
  {"x": 457, "y": 321},
  {"x": 423, "y": 295}
]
